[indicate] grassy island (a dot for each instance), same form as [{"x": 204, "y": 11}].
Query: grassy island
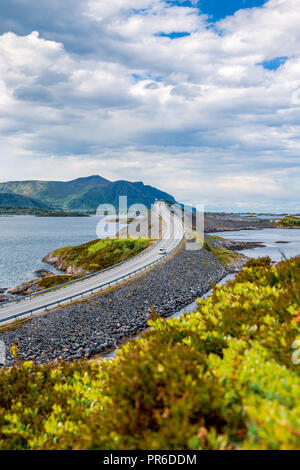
[
  {"x": 223, "y": 377},
  {"x": 40, "y": 212},
  {"x": 97, "y": 254},
  {"x": 77, "y": 261},
  {"x": 289, "y": 221}
]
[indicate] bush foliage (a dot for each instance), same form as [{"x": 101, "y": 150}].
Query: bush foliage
[{"x": 221, "y": 377}]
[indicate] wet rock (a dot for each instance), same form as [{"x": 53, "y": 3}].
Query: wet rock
[
  {"x": 40, "y": 273},
  {"x": 26, "y": 288},
  {"x": 59, "y": 263},
  {"x": 4, "y": 298}
]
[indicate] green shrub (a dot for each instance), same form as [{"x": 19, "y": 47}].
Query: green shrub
[{"x": 221, "y": 377}]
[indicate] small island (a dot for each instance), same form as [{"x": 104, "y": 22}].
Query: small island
[
  {"x": 95, "y": 255},
  {"x": 289, "y": 221},
  {"x": 74, "y": 262},
  {"x": 4, "y": 211}
]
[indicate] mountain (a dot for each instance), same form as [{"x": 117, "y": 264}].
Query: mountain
[
  {"x": 83, "y": 194},
  {"x": 20, "y": 202}
]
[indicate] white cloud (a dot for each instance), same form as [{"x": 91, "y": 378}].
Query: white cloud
[{"x": 195, "y": 115}]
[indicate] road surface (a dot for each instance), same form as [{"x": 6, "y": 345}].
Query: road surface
[{"x": 172, "y": 236}]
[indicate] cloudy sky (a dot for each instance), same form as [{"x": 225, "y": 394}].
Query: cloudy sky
[{"x": 198, "y": 98}]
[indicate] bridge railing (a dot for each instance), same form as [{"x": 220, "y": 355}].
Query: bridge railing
[{"x": 93, "y": 290}]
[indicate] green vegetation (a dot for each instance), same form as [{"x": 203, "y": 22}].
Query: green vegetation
[
  {"x": 53, "y": 281},
  {"x": 222, "y": 254},
  {"x": 289, "y": 221},
  {"x": 16, "y": 201},
  {"x": 99, "y": 254},
  {"x": 63, "y": 214},
  {"x": 221, "y": 377},
  {"x": 215, "y": 237}
]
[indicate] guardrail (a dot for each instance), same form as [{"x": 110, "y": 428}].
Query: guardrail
[
  {"x": 30, "y": 312},
  {"x": 87, "y": 276}
]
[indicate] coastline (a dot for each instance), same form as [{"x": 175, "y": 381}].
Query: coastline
[
  {"x": 67, "y": 272},
  {"x": 99, "y": 325}
]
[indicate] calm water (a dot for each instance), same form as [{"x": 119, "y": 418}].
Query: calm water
[
  {"x": 25, "y": 240},
  {"x": 268, "y": 237}
]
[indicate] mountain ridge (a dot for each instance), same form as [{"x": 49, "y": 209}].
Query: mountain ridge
[{"x": 83, "y": 194}]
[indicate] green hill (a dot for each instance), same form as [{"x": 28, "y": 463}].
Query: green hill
[
  {"x": 20, "y": 202},
  {"x": 83, "y": 194}
]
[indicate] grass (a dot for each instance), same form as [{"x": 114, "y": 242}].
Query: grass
[
  {"x": 215, "y": 237},
  {"x": 54, "y": 281},
  {"x": 99, "y": 254},
  {"x": 221, "y": 377},
  {"x": 222, "y": 254}
]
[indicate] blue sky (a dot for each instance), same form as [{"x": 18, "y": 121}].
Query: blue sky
[
  {"x": 199, "y": 98},
  {"x": 218, "y": 9}
]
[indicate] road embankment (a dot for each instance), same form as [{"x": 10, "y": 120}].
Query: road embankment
[{"x": 98, "y": 325}]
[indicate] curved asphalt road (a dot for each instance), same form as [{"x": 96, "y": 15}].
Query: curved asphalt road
[{"x": 172, "y": 236}]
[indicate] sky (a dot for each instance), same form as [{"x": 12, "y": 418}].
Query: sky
[{"x": 198, "y": 98}]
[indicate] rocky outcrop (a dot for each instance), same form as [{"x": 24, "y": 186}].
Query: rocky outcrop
[
  {"x": 4, "y": 298},
  {"x": 26, "y": 288},
  {"x": 59, "y": 262},
  {"x": 30, "y": 287},
  {"x": 41, "y": 273},
  {"x": 222, "y": 248},
  {"x": 224, "y": 223},
  {"x": 234, "y": 245}
]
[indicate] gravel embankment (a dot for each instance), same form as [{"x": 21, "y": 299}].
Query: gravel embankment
[{"x": 99, "y": 324}]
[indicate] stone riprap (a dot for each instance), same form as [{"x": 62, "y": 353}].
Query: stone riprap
[{"x": 98, "y": 325}]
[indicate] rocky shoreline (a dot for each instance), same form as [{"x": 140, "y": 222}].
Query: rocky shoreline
[
  {"x": 60, "y": 264},
  {"x": 222, "y": 223},
  {"x": 235, "y": 245},
  {"x": 28, "y": 287},
  {"x": 33, "y": 286},
  {"x": 98, "y": 325}
]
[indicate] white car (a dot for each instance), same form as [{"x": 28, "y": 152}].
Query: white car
[{"x": 162, "y": 251}]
